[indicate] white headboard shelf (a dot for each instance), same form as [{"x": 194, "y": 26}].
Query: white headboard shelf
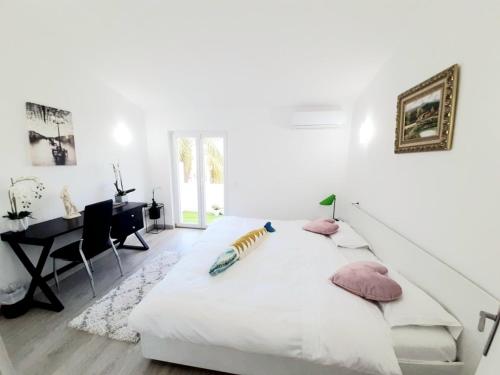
[{"x": 460, "y": 295}]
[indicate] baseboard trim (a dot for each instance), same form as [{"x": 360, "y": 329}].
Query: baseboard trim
[{"x": 158, "y": 227}]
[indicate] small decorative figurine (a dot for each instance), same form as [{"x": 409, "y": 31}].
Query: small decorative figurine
[{"x": 69, "y": 206}]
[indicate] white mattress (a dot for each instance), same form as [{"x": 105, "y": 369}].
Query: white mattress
[
  {"x": 417, "y": 343},
  {"x": 414, "y": 343}
]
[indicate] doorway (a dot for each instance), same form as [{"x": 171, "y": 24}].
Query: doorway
[{"x": 199, "y": 160}]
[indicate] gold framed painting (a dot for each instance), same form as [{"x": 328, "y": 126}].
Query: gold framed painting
[{"x": 426, "y": 114}]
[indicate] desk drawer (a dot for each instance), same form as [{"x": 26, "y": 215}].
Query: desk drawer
[{"x": 126, "y": 223}]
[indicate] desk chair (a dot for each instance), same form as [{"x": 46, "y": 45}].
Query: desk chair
[{"x": 95, "y": 240}]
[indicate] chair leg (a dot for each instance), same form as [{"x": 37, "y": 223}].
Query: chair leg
[
  {"x": 117, "y": 257},
  {"x": 55, "y": 273},
  {"x": 88, "y": 272},
  {"x": 91, "y": 266}
]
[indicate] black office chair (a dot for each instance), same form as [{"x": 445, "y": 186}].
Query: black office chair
[{"x": 95, "y": 239}]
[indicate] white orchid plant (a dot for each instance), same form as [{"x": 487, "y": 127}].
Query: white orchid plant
[
  {"x": 22, "y": 192},
  {"x": 120, "y": 191}
]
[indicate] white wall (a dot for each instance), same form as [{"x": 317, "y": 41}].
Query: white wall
[
  {"x": 96, "y": 111},
  {"x": 445, "y": 201},
  {"x": 273, "y": 170}
]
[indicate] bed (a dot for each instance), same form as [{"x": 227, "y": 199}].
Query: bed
[{"x": 276, "y": 312}]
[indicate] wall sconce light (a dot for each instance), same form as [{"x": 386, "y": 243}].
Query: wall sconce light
[
  {"x": 366, "y": 131},
  {"x": 122, "y": 135}
]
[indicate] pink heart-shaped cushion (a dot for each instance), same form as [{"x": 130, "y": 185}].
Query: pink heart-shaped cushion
[
  {"x": 380, "y": 268},
  {"x": 322, "y": 226},
  {"x": 368, "y": 280}
]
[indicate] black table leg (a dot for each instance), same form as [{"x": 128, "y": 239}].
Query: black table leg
[
  {"x": 141, "y": 240},
  {"x": 37, "y": 279},
  {"x": 121, "y": 243}
]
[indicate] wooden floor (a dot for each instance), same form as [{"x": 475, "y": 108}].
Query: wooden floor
[{"x": 40, "y": 342}]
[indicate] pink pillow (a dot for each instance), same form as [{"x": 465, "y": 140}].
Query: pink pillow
[
  {"x": 368, "y": 280},
  {"x": 322, "y": 226}
]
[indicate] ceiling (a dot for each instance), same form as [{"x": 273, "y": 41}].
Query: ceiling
[{"x": 164, "y": 53}]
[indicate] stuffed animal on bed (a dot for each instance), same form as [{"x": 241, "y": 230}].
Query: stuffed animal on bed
[{"x": 240, "y": 248}]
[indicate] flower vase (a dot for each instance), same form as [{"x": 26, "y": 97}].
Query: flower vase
[
  {"x": 19, "y": 225},
  {"x": 121, "y": 199}
]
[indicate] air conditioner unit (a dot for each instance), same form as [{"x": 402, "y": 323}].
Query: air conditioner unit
[{"x": 318, "y": 119}]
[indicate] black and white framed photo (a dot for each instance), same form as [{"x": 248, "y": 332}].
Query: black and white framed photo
[{"x": 51, "y": 135}]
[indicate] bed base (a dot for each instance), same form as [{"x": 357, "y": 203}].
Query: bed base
[{"x": 237, "y": 362}]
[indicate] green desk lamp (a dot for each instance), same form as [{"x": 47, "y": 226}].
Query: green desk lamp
[{"x": 328, "y": 201}]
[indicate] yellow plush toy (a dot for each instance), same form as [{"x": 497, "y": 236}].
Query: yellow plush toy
[{"x": 240, "y": 248}]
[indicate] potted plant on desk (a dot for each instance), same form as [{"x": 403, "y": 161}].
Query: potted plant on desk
[
  {"x": 121, "y": 194},
  {"x": 22, "y": 191}
]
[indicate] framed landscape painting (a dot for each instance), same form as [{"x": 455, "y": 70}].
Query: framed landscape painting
[{"x": 426, "y": 114}]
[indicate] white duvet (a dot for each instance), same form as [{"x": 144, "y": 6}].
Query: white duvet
[{"x": 277, "y": 301}]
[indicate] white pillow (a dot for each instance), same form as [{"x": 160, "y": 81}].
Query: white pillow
[
  {"x": 417, "y": 308},
  {"x": 347, "y": 237}
]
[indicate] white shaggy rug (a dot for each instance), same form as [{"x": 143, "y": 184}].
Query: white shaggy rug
[{"x": 109, "y": 315}]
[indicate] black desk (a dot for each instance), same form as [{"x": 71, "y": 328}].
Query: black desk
[{"x": 127, "y": 220}]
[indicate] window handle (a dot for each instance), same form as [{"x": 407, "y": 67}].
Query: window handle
[{"x": 483, "y": 315}]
